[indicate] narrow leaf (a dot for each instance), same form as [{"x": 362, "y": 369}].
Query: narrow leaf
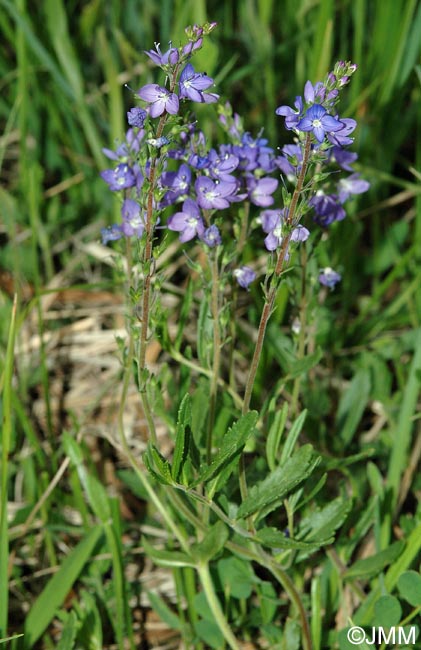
[
  {"x": 275, "y": 434},
  {"x": 371, "y": 566},
  {"x": 232, "y": 445},
  {"x": 167, "y": 558},
  {"x": 56, "y": 590},
  {"x": 182, "y": 436},
  {"x": 276, "y": 539}
]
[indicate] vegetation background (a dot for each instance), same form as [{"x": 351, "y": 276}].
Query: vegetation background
[{"x": 63, "y": 66}]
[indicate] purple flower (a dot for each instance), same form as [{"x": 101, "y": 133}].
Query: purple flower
[
  {"x": 341, "y": 138},
  {"x": 160, "y": 99},
  {"x": 188, "y": 222},
  {"x": 212, "y": 236},
  {"x": 136, "y": 117},
  {"x": 192, "y": 84},
  {"x": 328, "y": 277},
  {"x": 119, "y": 178},
  {"x": 260, "y": 191},
  {"x": 178, "y": 183},
  {"x": 244, "y": 276},
  {"x": 170, "y": 56},
  {"x": 133, "y": 223},
  {"x": 213, "y": 195},
  {"x": 111, "y": 233},
  {"x": 299, "y": 234},
  {"x": 291, "y": 117},
  {"x": 221, "y": 166},
  {"x": 343, "y": 157},
  {"x": 272, "y": 222},
  {"x": 351, "y": 185},
  {"x": 318, "y": 121},
  {"x": 327, "y": 208},
  {"x": 314, "y": 93}
]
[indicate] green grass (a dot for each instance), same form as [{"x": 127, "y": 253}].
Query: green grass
[{"x": 67, "y": 543}]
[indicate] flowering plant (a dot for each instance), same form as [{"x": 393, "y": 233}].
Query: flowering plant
[{"x": 222, "y": 203}]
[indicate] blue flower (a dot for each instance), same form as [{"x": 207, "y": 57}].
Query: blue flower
[
  {"x": 318, "y": 121},
  {"x": 111, "y": 233},
  {"x": 160, "y": 99},
  {"x": 192, "y": 84},
  {"x": 133, "y": 222},
  {"x": 351, "y": 185},
  {"x": 119, "y": 178},
  {"x": 327, "y": 208},
  {"x": 244, "y": 276},
  {"x": 212, "y": 236},
  {"x": 188, "y": 223},
  {"x": 213, "y": 195},
  {"x": 136, "y": 117},
  {"x": 291, "y": 117},
  {"x": 329, "y": 278}
]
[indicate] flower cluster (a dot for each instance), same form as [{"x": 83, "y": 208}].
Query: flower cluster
[
  {"x": 315, "y": 113},
  {"x": 200, "y": 182}
]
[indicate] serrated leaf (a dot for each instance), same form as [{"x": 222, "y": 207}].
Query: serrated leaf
[
  {"x": 276, "y": 539},
  {"x": 159, "y": 465},
  {"x": 322, "y": 523},
  {"x": 232, "y": 444},
  {"x": 167, "y": 558},
  {"x": 212, "y": 544},
  {"x": 371, "y": 566},
  {"x": 279, "y": 482},
  {"x": 182, "y": 436},
  {"x": 409, "y": 585}
]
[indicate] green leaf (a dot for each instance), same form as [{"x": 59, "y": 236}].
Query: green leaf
[
  {"x": 387, "y": 611},
  {"x": 322, "y": 523},
  {"x": 164, "y": 612},
  {"x": 292, "y": 436},
  {"x": 158, "y": 466},
  {"x": 275, "y": 434},
  {"x": 167, "y": 558},
  {"x": 68, "y": 634},
  {"x": 182, "y": 436},
  {"x": 279, "y": 482},
  {"x": 409, "y": 585},
  {"x": 210, "y": 633},
  {"x": 352, "y": 405},
  {"x": 232, "y": 445},
  {"x": 211, "y": 545},
  {"x": 300, "y": 366},
  {"x": 276, "y": 539},
  {"x": 371, "y": 566},
  {"x": 45, "y": 607},
  {"x": 236, "y": 576}
]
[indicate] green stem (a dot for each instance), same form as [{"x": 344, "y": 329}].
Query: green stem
[
  {"x": 215, "y": 606},
  {"x": 216, "y": 354},
  {"x": 302, "y": 333},
  {"x": 270, "y": 299},
  {"x": 269, "y": 304}
]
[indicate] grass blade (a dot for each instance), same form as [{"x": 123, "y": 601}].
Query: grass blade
[
  {"x": 6, "y": 437},
  {"x": 47, "y": 604}
]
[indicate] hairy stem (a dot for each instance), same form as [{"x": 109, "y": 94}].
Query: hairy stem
[
  {"x": 270, "y": 301},
  {"x": 216, "y": 354}
]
